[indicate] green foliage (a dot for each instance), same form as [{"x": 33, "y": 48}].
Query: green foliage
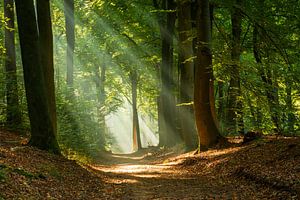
[
  {"x": 78, "y": 128},
  {"x": 3, "y": 172},
  {"x": 278, "y": 38}
]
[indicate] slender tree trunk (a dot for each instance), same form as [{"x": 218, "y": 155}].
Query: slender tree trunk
[
  {"x": 100, "y": 78},
  {"x": 137, "y": 144},
  {"x": 291, "y": 119},
  {"x": 13, "y": 114},
  {"x": 207, "y": 129},
  {"x": 267, "y": 80},
  {"x": 234, "y": 112},
  {"x": 186, "y": 67},
  {"x": 39, "y": 99},
  {"x": 70, "y": 34},
  {"x": 221, "y": 104},
  {"x": 168, "y": 134},
  {"x": 289, "y": 103}
]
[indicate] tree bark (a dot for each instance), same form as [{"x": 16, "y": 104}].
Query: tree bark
[
  {"x": 46, "y": 44},
  {"x": 13, "y": 114},
  {"x": 70, "y": 35},
  {"x": 207, "y": 130},
  {"x": 39, "y": 99},
  {"x": 186, "y": 67},
  {"x": 265, "y": 75},
  {"x": 169, "y": 135},
  {"x": 234, "y": 116},
  {"x": 100, "y": 78},
  {"x": 137, "y": 144},
  {"x": 221, "y": 104}
]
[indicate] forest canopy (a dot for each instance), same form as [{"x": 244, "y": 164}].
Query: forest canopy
[{"x": 86, "y": 77}]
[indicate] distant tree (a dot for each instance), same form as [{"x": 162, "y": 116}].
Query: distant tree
[
  {"x": 35, "y": 35},
  {"x": 100, "y": 79},
  {"x": 207, "y": 129},
  {"x": 137, "y": 144},
  {"x": 13, "y": 114},
  {"x": 70, "y": 35}
]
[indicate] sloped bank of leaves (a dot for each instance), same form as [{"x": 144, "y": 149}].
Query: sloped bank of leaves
[
  {"x": 268, "y": 168},
  {"x": 29, "y": 173}
]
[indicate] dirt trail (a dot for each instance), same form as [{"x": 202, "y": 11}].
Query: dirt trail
[
  {"x": 142, "y": 178},
  {"x": 268, "y": 169}
]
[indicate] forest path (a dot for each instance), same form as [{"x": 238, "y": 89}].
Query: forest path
[
  {"x": 162, "y": 176},
  {"x": 264, "y": 169}
]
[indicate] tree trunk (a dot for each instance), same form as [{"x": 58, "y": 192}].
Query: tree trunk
[
  {"x": 289, "y": 104},
  {"x": 13, "y": 114},
  {"x": 46, "y": 43},
  {"x": 169, "y": 135},
  {"x": 267, "y": 80},
  {"x": 186, "y": 67},
  {"x": 137, "y": 144},
  {"x": 234, "y": 116},
  {"x": 39, "y": 98},
  {"x": 100, "y": 78},
  {"x": 221, "y": 104},
  {"x": 70, "y": 35},
  {"x": 207, "y": 129}
]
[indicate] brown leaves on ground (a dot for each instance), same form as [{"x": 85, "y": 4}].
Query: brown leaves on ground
[
  {"x": 268, "y": 168},
  {"x": 29, "y": 173}
]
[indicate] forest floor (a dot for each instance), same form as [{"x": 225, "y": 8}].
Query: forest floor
[{"x": 268, "y": 168}]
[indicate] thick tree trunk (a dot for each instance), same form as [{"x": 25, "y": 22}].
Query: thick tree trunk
[
  {"x": 46, "y": 44},
  {"x": 13, "y": 114},
  {"x": 43, "y": 129},
  {"x": 207, "y": 129},
  {"x": 137, "y": 144},
  {"x": 186, "y": 67},
  {"x": 234, "y": 116},
  {"x": 70, "y": 35}
]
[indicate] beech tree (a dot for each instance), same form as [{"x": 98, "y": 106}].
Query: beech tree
[
  {"x": 13, "y": 114},
  {"x": 35, "y": 35},
  {"x": 234, "y": 113},
  {"x": 168, "y": 134},
  {"x": 207, "y": 129},
  {"x": 186, "y": 67},
  {"x": 70, "y": 35}
]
